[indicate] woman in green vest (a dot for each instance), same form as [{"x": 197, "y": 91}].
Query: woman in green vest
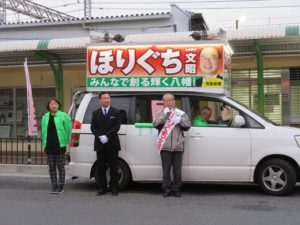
[{"x": 56, "y": 127}]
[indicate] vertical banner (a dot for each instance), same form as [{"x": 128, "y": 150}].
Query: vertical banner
[{"x": 32, "y": 125}]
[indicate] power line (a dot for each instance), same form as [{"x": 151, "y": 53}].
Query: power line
[
  {"x": 160, "y": 2},
  {"x": 170, "y": 2},
  {"x": 181, "y": 2},
  {"x": 251, "y": 7},
  {"x": 77, "y": 10},
  {"x": 33, "y": 10},
  {"x": 208, "y": 8},
  {"x": 259, "y": 18},
  {"x": 67, "y": 4},
  {"x": 262, "y": 25}
]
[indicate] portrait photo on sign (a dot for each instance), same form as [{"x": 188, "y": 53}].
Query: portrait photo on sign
[{"x": 211, "y": 61}]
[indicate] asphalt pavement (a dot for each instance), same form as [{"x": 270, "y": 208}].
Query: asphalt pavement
[{"x": 24, "y": 200}]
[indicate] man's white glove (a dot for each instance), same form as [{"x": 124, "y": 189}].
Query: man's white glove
[
  {"x": 176, "y": 119},
  {"x": 103, "y": 139},
  {"x": 166, "y": 110}
]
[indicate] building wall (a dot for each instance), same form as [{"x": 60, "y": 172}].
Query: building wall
[
  {"x": 175, "y": 20},
  {"x": 14, "y": 76},
  {"x": 83, "y": 29},
  {"x": 181, "y": 18},
  {"x": 42, "y": 76},
  {"x": 74, "y": 76}
]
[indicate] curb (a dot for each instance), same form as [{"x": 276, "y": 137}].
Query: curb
[{"x": 23, "y": 170}]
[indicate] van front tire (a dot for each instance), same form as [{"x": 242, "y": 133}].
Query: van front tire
[
  {"x": 276, "y": 177},
  {"x": 124, "y": 175}
]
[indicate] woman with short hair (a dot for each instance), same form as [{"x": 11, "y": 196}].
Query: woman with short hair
[{"x": 56, "y": 127}]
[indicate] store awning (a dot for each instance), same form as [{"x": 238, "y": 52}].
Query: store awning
[
  {"x": 250, "y": 33},
  {"x": 52, "y": 44},
  {"x": 18, "y": 46},
  {"x": 71, "y": 50}
]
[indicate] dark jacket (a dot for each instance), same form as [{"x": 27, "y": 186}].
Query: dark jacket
[{"x": 106, "y": 125}]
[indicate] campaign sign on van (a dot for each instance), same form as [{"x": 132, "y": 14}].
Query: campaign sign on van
[{"x": 172, "y": 65}]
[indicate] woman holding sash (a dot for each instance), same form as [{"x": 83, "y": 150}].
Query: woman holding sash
[{"x": 171, "y": 122}]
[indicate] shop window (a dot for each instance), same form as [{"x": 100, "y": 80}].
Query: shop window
[
  {"x": 13, "y": 110},
  {"x": 295, "y": 92},
  {"x": 244, "y": 90},
  {"x": 6, "y": 113}
]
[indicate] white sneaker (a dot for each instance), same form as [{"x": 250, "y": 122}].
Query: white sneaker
[{"x": 60, "y": 190}]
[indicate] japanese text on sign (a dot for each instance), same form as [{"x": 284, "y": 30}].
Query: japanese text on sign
[{"x": 154, "y": 66}]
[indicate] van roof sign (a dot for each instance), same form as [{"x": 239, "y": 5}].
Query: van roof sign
[{"x": 195, "y": 66}]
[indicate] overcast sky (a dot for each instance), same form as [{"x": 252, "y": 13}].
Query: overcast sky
[{"x": 217, "y": 13}]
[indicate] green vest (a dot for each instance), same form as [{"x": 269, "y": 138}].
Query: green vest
[
  {"x": 63, "y": 128},
  {"x": 199, "y": 122}
]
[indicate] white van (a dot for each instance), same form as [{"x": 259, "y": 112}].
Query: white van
[
  {"x": 248, "y": 148},
  {"x": 244, "y": 147}
]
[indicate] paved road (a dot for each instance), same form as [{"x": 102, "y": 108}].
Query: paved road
[{"x": 25, "y": 201}]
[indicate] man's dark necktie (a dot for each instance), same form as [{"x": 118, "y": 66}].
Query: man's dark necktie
[{"x": 105, "y": 113}]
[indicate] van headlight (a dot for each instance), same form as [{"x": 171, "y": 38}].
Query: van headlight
[{"x": 297, "y": 138}]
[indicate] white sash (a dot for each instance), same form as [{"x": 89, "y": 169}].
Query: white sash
[{"x": 168, "y": 127}]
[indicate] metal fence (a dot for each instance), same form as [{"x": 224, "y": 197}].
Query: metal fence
[{"x": 22, "y": 151}]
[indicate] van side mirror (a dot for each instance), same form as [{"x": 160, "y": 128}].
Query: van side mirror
[{"x": 239, "y": 121}]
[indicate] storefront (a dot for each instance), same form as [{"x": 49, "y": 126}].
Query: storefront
[
  {"x": 13, "y": 105},
  {"x": 278, "y": 104},
  {"x": 244, "y": 89},
  {"x": 281, "y": 71},
  {"x": 281, "y": 79}
]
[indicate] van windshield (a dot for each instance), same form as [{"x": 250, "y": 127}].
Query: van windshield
[{"x": 256, "y": 113}]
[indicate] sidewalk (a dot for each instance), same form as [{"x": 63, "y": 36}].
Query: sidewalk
[{"x": 24, "y": 170}]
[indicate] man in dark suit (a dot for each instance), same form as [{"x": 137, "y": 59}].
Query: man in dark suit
[
  {"x": 105, "y": 124},
  {"x": 210, "y": 58}
]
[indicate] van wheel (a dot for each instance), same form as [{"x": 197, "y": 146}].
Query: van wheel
[
  {"x": 124, "y": 175},
  {"x": 276, "y": 177}
]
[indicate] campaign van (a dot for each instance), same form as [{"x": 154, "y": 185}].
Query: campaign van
[{"x": 235, "y": 144}]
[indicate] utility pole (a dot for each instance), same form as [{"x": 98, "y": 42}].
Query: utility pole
[{"x": 87, "y": 8}]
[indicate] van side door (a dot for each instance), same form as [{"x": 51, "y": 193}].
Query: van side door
[{"x": 218, "y": 150}]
